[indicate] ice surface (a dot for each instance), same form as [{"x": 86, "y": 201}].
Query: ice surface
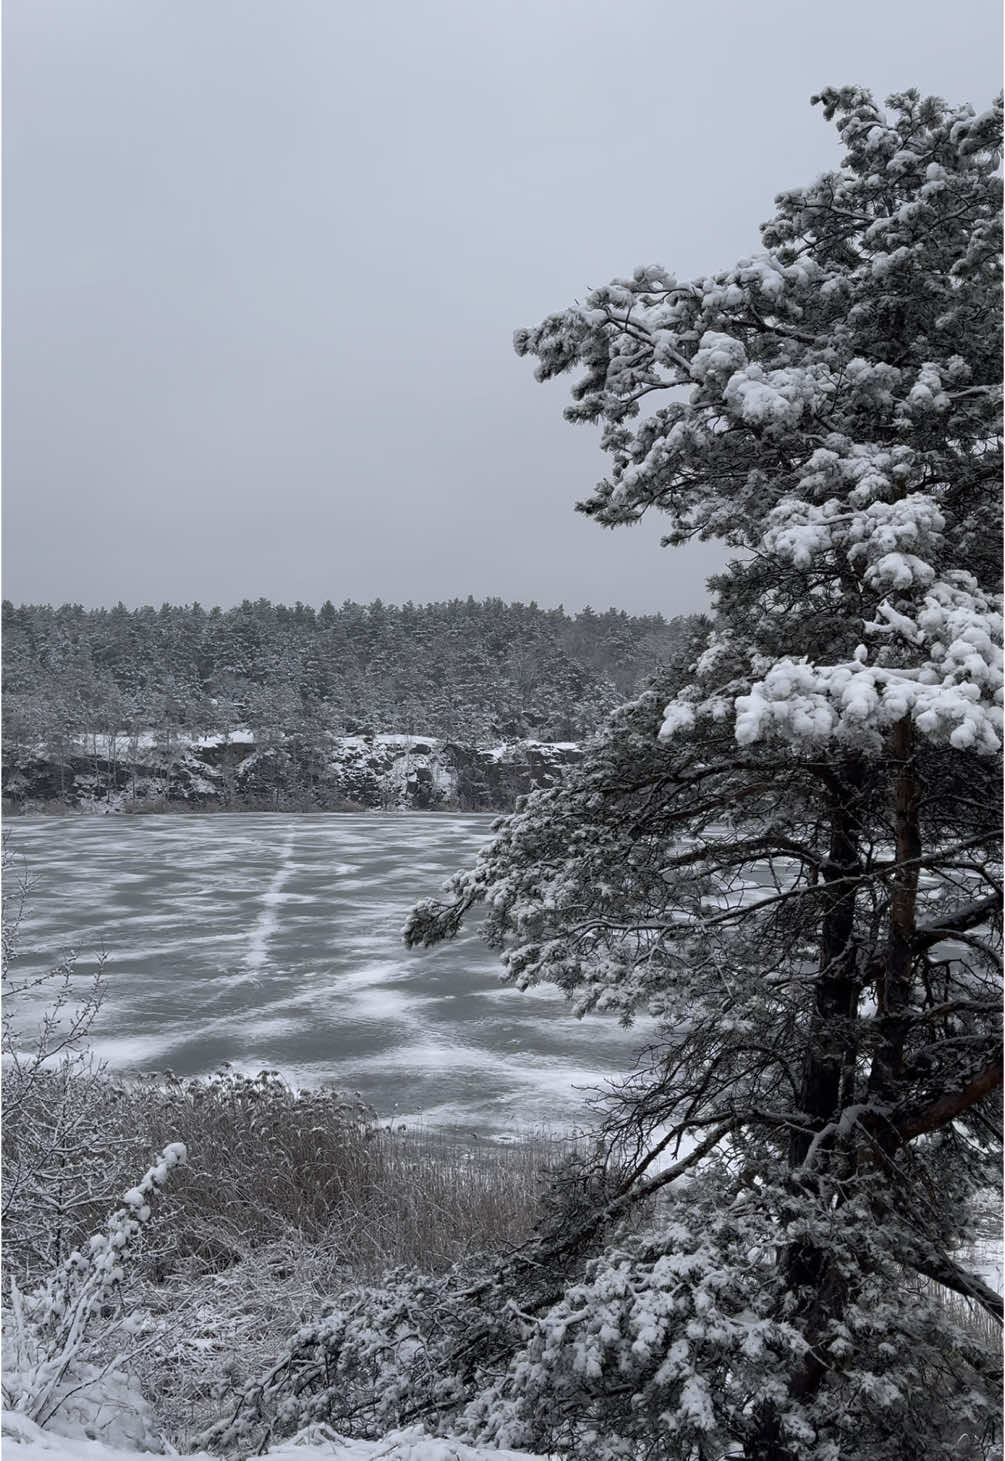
[{"x": 274, "y": 941}]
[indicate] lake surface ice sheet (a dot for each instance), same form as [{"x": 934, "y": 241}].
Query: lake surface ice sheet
[{"x": 274, "y": 941}]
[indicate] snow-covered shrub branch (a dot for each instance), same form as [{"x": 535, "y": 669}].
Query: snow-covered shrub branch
[{"x": 66, "y": 1341}]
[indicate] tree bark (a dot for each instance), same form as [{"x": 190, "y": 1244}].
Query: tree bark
[
  {"x": 829, "y": 1066},
  {"x": 894, "y": 992}
]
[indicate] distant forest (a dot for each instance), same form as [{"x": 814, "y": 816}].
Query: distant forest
[{"x": 463, "y": 670}]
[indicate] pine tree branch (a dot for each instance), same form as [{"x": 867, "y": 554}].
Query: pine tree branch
[
  {"x": 951, "y": 1276},
  {"x": 952, "y": 1104},
  {"x": 965, "y": 918}
]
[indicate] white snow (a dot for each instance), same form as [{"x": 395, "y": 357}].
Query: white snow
[
  {"x": 25, "y": 1441},
  {"x": 241, "y": 737},
  {"x": 129, "y": 742}
]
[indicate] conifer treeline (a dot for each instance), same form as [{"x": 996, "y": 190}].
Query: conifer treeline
[{"x": 463, "y": 669}]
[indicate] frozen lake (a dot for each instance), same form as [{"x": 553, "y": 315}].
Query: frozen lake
[{"x": 274, "y": 941}]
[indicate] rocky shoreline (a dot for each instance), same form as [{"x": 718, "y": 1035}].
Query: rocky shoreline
[{"x": 239, "y": 771}]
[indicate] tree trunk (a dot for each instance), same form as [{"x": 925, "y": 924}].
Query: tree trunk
[
  {"x": 827, "y": 1085},
  {"x": 894, "y": 990},
  {"x": 829, "y": 1065}
]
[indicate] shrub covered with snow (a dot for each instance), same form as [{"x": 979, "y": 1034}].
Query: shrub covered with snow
[{"x": 66, "y": 1343}]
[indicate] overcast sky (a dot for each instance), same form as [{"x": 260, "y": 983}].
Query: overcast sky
[{"x": 263, "y": 263}]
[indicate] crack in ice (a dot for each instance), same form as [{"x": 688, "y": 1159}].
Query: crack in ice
[{"x": 268, "y": 921}]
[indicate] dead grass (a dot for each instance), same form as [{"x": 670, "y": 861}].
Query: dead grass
[{"x": 268, "y": 1164}]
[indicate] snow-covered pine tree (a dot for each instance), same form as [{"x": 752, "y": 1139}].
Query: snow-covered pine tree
[
  {"x": 802, "y": 879},
  {"x": 789, "y": 856}
]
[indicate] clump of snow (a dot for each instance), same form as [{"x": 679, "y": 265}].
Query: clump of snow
[
  {"x": 949, "y": 678},
  {"x": 409, "y": 742},
  {"x": 241, "y": 737},
  {"x": 100, "y": 1411}
]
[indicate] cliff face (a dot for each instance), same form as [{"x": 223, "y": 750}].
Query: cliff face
[{"x": 237, "y": 772}]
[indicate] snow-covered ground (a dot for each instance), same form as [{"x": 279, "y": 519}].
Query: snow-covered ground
[
  {"x": 24, "y": 1441},
  {"x": 273, "y": 940}
]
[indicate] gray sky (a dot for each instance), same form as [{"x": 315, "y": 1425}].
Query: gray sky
[{"x": 263, "y": 262}]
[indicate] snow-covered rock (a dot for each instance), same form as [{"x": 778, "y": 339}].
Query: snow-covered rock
[{"x": 294, "y": 773}]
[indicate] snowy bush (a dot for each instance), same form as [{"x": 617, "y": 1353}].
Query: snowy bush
[
  {"x": 67, "y": 1342},
  {"x": 671, "y": 1342},
  {"x": 59, "y": 1160}
]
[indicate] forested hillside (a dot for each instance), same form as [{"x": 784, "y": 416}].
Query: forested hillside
[
  {"x": 252, "y": 706},
  {"x": 465, "y": 670}
]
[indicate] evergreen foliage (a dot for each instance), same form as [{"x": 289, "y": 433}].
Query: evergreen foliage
[
  {"x": 463, "y": 670},
  {"x": 791, "y": 856}
]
